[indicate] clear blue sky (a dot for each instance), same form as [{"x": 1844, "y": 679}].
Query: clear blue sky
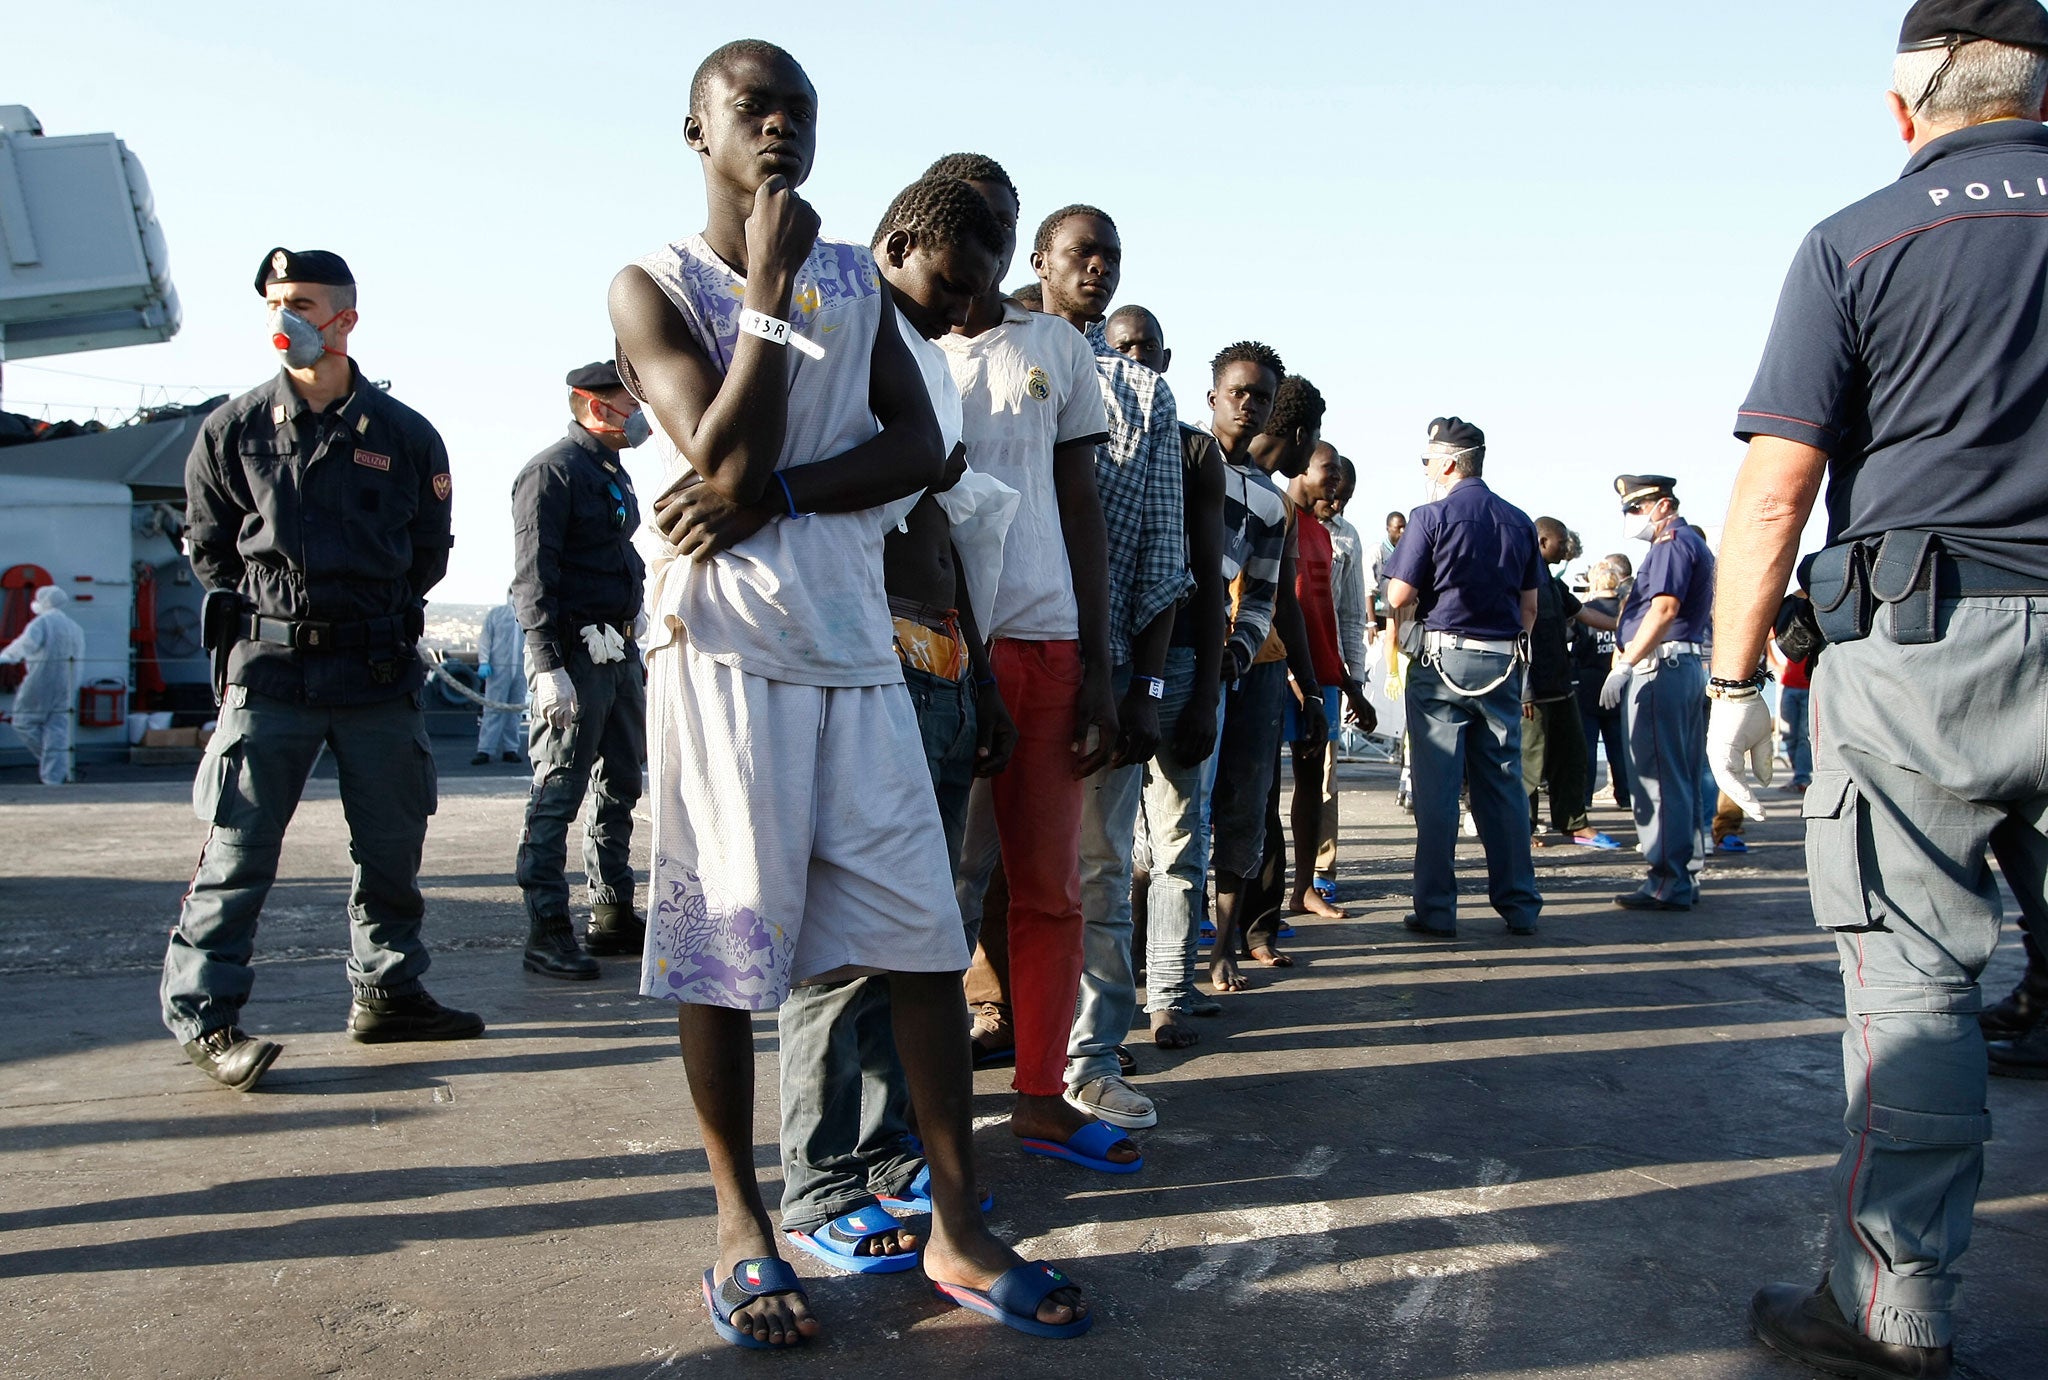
[{"x": 1565, "y": 222}]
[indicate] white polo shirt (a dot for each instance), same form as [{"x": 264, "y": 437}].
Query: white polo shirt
[{"x": 1026, "y": 387}]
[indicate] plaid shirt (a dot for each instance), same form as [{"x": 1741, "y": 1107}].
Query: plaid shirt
[{"x": 1138, "y": 474}]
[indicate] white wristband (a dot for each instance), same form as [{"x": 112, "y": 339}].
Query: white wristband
[{"x": 776, "y": 331}]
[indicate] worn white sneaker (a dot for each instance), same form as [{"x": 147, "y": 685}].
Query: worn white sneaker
[{"x": 1111, "y": 1098}]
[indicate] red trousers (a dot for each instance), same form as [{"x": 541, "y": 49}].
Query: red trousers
[{"x": 1037, "y": 818}]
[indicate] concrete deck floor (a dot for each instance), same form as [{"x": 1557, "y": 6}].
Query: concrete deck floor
[{"x": 1568, "y": 1156}]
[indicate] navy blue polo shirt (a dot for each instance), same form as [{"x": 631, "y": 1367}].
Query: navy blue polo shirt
[
  {"x": 1911, "y": 345},
  {"x": 1682, "y": 567},
  {"x": 1469, "y": 555}
]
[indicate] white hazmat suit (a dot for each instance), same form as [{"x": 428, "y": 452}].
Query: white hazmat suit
[
  {"x": 52, "y": 647},
  {"x": 501, "y": 657}
]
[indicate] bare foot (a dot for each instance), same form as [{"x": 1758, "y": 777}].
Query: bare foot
[
  {"x": 905, "y": 1240},
  {"x": 1169, "y": 1034},
  {"x": 991, "y": 1032},
  {"x": 1055, "y": 1119},
  {"x": 1223, "y": 975},
  {"x": 1309, "y": 903},
  {"x": 1272, "y": 958},
  {"x": 773, "y": 1319}
]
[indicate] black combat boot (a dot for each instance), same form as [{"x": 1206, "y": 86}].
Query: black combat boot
[
  {"x": 2024, "y": 1009},
  {"x": 230, "y": 1058},
  {"x": 2026, "y": 1057},
  {"x": 1809, "y": 1327},
  {"x": 551, "y": 950},
  {"x": 615, "y": 929},
  {"x": 381, "y": 1020}
]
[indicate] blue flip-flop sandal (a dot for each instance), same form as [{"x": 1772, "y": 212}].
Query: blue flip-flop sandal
[
  {"x": 917, "y": 1196},
  {"x": 1087, "y": 1147},
  {"x": 1014, "y": 1298},
  {"x": 751, "y": 1279},
  {"x": 838, "y": 1242}
]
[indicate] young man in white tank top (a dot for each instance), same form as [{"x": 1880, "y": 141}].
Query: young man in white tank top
[{"x": 796, "y": 834}]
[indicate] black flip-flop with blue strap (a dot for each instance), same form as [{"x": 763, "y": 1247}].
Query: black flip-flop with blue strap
[
  {"x": 751, "y": 1279},
  {"x": 1014, "y": 1298}
]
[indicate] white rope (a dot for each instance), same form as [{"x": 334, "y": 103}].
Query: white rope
[{"x": 437, "y": 670}]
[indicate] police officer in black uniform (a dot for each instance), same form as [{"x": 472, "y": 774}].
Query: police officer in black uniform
[
  {"x": 577, "y": 591},
  {"x": 1907, "y": 370},
  {"x": 317, "y": 520}
]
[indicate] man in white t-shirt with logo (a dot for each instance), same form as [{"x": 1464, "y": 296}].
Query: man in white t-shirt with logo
[{"x": 1032, "y": 416}]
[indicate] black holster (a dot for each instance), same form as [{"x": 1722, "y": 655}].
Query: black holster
[{"x": 221, "y": 618}]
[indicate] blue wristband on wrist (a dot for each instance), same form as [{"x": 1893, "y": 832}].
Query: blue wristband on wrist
[{"x": 787, "y": 497}]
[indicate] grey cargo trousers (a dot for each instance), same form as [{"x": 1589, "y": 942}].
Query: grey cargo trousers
[
  {"x": 247, "y": 789},
  {"x": 1922, "y": 752},
  {"x": 601, "y": 752}
]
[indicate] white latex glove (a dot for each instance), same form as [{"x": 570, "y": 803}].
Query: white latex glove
[
  {"x": 640, "y": 626},
  {"x": 594, "y": 642},
  {"x": 615, "y": 643},
  {"x": 554, "y": 698},
  {"x": 1615, "y": 686},
  {"x": 1737, "y": 729}
]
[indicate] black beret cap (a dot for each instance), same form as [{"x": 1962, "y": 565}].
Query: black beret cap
[
  {"x": 1644, "y": 488},
  {"x": 283, "y": 265},
  {"x": 1456, "y": 432},
  {"x": 1940, "y": 23},
  {"x": 603, "y": 374}
]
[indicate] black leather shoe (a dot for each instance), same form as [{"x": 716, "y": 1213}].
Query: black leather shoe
[
  {"x": 1643, "y": 900},
  {"x": 232, "y": 1059},
  {"x": 481, "y": 759},
  {"x": 1809, "y": 1327},
  {"x": 387, "y": 1020},
  {"x": 1427, "y": 931},
  {"x": 510, "y": 757},
  {"x": 2022, "y": 1010},
  {"x": 2026, "y": 1057},
  {"x": 615, "y": 929},
  {"x": 552, "y": 951}
]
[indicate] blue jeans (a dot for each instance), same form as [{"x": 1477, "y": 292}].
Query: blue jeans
[
  {"x": 845, "y": 1106},
  {"x": 1453, "y": 740},
  {"x": 247, "y": 789},
  {"x": 1667, "y": 745},
  {"x": 1109, "y": 819},
  {"x": 1795, "y": 731},
  {"x": 1176, "y": 820}
]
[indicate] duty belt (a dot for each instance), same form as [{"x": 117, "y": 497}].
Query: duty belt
[
  {"x": 1669, "y": 650},
  {"x": 1959, "y": 575},
  {"x": 1907, "y": 569},
  {"x": 1443, "y": 641},
  {"x": 1435, "y": 644},
  {"x": 308, "y": 635}
]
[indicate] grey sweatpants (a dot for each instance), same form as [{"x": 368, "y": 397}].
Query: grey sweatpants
[{"x": 1922, "y": 752}]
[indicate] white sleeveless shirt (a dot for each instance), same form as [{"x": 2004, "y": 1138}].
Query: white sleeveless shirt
[{"x": 801, "y": 600}]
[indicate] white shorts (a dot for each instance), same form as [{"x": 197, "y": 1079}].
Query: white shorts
[{"x": 795, "y": 833}]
